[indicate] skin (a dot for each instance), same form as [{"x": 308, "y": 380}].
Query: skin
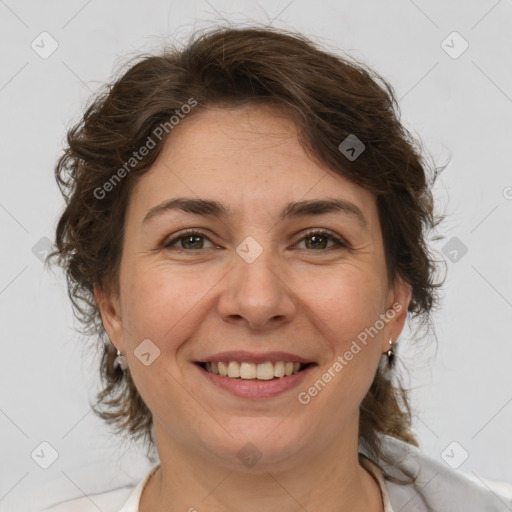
[{"x": 195, "y": 300}]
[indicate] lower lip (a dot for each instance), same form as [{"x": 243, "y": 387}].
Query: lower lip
[{"x": 256, "y": 388}]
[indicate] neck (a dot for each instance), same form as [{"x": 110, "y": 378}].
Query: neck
[{"x": 331, "y": 480}]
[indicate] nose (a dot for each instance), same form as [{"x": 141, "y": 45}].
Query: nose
[{"x": 256, "y": 294}]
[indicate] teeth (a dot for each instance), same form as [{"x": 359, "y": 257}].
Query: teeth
[
  {"x": 248, "y": 371},
  {"x": 233, "y": 369},
  {"x": 223, "y": 369},
  {"x": 279, "y": 369}
]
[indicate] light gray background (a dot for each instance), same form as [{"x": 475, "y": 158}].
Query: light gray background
[{"x": 460, "y": 107}]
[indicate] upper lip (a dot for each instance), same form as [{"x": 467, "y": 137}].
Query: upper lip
[{"x": 252, "y": 357}]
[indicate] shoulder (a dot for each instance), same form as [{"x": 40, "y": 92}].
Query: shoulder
[
  {"x": 124, "y": 499},
  {"x": 438, "y": 486},
  {"x": 110, "y": 501}
]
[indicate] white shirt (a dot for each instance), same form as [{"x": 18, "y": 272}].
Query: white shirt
[{"x": 438, "y": 488}]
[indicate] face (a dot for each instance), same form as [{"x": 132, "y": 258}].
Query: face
[{"x": 256, "y": 277}]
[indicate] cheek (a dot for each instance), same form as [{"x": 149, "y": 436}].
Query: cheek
[
  {"x": 158, "y": 307},
  {"x": 152, "y": 302},
  {"x": 346, "y": 301},
  {"x": 346, "y": 310},
  {"x": 164, "y": 304}
]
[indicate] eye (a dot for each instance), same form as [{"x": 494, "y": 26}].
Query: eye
[
  {"x": 320, "y": 238},
  {"x": 190, "y": 240}
]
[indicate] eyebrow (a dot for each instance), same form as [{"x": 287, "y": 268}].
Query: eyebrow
[{"x": 210, "y": 208}]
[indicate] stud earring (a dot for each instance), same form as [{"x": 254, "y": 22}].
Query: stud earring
[{"x": 120, "y": 361}]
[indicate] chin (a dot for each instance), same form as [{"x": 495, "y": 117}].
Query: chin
[{"x": 258, "y": 445}]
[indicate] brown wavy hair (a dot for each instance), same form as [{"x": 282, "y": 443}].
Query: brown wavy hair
[{"x": 328, "y": 97}]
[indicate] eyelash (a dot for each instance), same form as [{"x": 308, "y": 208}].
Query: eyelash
[{"x": 314, "y": 232}]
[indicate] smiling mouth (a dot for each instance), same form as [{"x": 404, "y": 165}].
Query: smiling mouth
[{"x": 252, "y": 371}]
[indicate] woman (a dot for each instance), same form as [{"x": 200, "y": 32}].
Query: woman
[{"x": 245, "y": 229}]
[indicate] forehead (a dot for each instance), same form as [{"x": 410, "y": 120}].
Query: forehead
[{"x": 249, "y": 157}]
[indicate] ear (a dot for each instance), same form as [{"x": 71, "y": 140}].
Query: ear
[
  {"x": 396, "y": 310},
  {"x": 110, "y": 310}
]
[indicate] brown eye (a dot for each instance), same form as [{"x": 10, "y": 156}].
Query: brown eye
[
  {"x": 320, "y": 239},
  {"x": 190, "y": 240}
]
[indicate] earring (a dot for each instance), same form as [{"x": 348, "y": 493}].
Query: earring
[
  {"x": 391, "y": 355},
  {"x": 120, "y": 361}
]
